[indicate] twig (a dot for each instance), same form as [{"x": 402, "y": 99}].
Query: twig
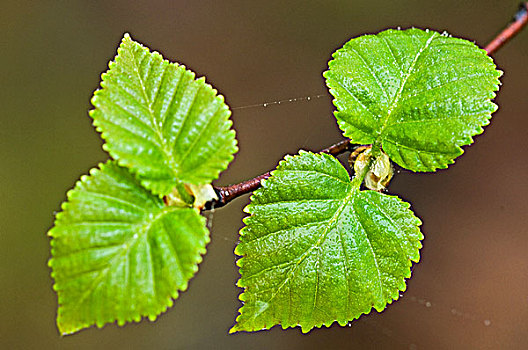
[
  {"x": 228, "y": 193},
  {"x": 519, "y": 21}
]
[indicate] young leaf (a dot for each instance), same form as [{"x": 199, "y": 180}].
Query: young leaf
[
  {"x": 118, "y": 253},
  {"x": 161, "y": 122},
  {"x": 418, "y": 94},
  {"x": 316, "y": 250}
]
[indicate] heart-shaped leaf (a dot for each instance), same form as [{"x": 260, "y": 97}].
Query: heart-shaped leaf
[
  {"x": 418, "y": 94},
  {"x": 160, "y": 122},
  {"x": 316, "y": 250},
  {"x": 118, "y": 253}
]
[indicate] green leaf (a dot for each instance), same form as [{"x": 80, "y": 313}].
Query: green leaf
[
  {"x": 418, "y": 94},
  {"x": 161, "y": 122},
  {"x": 118, "y": 253},
  {"x": 316, "y": 250}
]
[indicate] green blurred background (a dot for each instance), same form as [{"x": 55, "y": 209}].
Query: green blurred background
[{"x": 470, "y": 289}]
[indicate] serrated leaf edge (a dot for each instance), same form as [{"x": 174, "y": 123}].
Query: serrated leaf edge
[
  {"x": 84, "y": 179},
  {"x": 479, "y": 129},
  {"x": 107, "y": 146},
  {"x": 402, "y": 287}
]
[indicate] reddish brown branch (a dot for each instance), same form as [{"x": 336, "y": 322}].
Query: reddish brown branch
[
  {"x": 228, "y": 193},
  {"x": 519, "y": 21}
]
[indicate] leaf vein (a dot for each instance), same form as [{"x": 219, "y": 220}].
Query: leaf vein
[
  {"x": 402, "y": 86},
  {"x": 218, "y": 108},
  {"x": 316, "y": 245},
  {"x": 391, "y": 52},
  {"x": 382, "y": 294},
  {"x": 357, "y": 99},
  {"x": 371, "y": 72},
  {"x": 429, "y": 89}
]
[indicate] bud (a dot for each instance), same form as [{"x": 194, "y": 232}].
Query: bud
[
  {"x": 380, "y": 172},
  {"x": 186, "y": 195}
]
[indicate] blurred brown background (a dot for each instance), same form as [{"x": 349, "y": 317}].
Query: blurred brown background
[{"x": 469, "y": 291}]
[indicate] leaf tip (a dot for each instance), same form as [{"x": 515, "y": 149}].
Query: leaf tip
[
  {"x": 233, "y": 329},
  {"x": 127, "y": 39}
]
